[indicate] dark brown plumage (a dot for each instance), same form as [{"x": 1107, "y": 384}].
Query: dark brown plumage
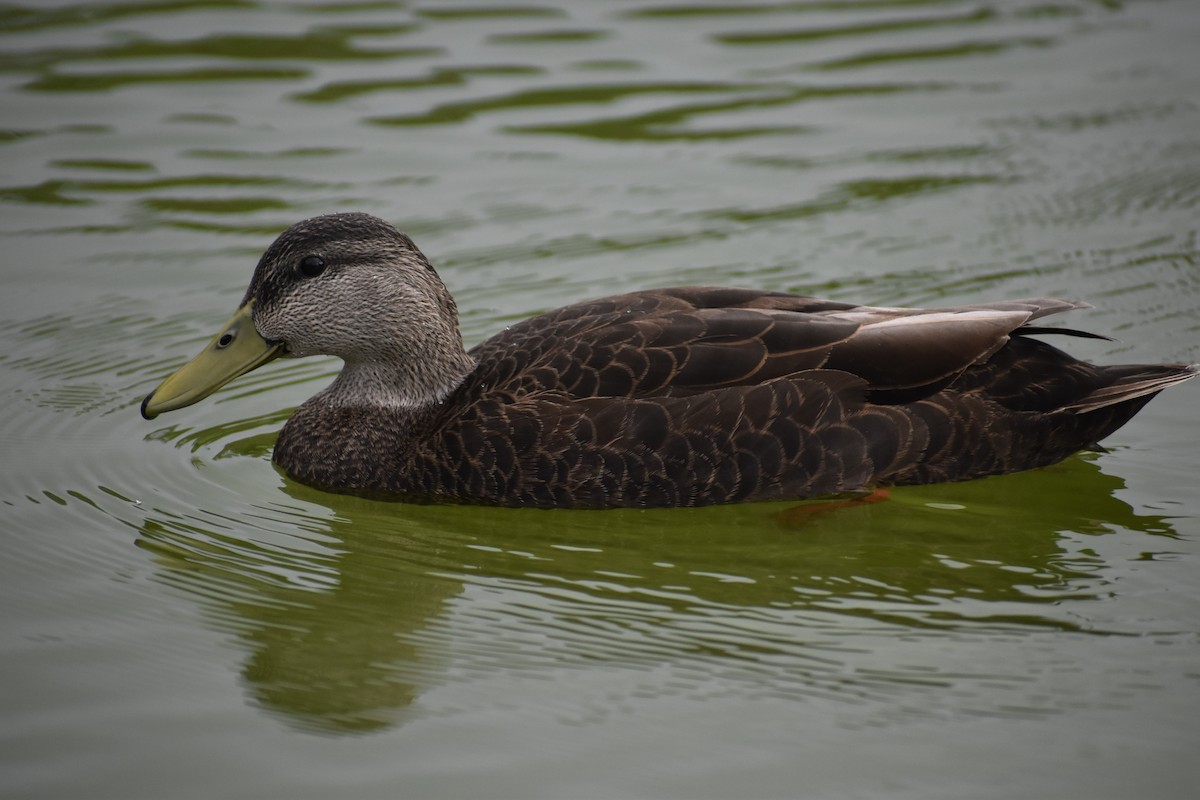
[{"x": 672, "y": 397}]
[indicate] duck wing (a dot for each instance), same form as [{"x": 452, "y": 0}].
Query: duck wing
[{"x": 688, "y": 340}]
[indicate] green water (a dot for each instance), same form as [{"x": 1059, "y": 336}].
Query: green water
[{"x": 179, "y": 620}]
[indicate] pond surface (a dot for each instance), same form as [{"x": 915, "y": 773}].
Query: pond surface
[{"x": 180, "y": 620}]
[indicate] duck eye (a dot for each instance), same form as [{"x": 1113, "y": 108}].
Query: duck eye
[{"x": 311, "y": 266}]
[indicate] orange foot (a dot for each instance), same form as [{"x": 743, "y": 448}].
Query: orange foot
[{"x": 803, "y": 513}]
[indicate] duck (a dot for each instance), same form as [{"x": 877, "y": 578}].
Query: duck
[{"x": 672, "y": 397}]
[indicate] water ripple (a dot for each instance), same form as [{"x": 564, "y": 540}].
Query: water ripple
[
  {"x": 854, "y": 30},
  {"x": 437, "y": 77}
]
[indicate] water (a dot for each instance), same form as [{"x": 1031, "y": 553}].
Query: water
[{"x": 180, "y": 620}]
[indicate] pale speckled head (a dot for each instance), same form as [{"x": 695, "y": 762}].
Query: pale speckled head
[{"x": 349, "y": 285}]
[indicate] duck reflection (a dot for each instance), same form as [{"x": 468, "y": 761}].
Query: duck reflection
[{"x": 351, "y": 608}]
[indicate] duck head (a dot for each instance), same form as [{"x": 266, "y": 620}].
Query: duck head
[{"x": 347, "y": 285}]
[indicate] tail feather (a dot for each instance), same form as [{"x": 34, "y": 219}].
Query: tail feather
[{"x": 1133, "y": 382}]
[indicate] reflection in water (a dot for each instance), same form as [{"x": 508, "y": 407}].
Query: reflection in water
[
  {"x": 377, "y": 602},
  {"x": 327, "y": 630}
]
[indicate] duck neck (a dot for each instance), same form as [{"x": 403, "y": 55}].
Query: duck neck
[{"x": 409, "y": 386}]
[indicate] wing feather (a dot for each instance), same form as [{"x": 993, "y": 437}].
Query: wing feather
[{"x": 684, "y": 340}]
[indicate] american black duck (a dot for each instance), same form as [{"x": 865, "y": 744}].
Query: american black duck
[{"x": 669, "y": 397}]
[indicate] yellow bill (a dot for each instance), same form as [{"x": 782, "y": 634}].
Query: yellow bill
[{"x": 236, "y": 350}]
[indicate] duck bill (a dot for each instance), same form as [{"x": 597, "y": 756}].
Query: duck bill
[{"x": 236, "y": 350}]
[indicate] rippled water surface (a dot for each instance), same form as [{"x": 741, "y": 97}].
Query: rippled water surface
[{"x": 180, "y": 620}]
